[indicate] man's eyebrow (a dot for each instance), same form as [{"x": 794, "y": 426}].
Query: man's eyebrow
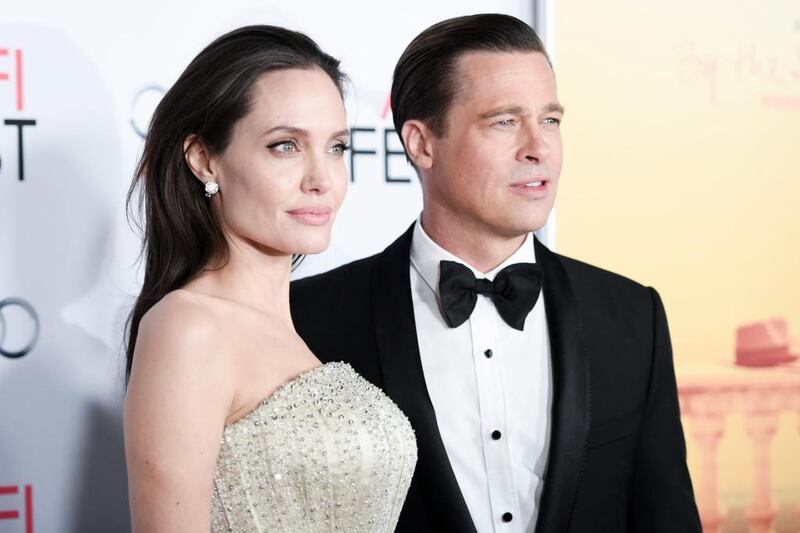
[
  {"x": 504, "y": 110},
  {"x": 520, "y": 111}
]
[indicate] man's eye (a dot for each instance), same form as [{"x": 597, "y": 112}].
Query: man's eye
[
  {"x": 505, "y": 123},
  {"x": 552, "y": 120}
]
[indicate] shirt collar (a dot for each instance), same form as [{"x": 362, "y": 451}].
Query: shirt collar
[{"x": 426, "y": 255}]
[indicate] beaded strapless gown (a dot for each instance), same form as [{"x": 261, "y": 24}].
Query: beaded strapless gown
[{"x": 327, "y": 451}]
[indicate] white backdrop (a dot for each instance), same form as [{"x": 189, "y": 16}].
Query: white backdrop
[{"x": 89, "y": 76}]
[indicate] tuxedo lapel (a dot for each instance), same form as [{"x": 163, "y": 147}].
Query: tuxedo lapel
[
  {"x": 570, "y": 415},
  {"x": 404, "y": 382}
]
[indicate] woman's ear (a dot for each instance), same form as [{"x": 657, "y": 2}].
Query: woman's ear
[{"x": 198, "y": 158}]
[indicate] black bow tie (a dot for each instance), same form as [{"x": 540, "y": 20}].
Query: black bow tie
[{"x": 514, "y": 292}]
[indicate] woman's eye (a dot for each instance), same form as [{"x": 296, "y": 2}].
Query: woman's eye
[
  {"x": 284, "y": 147},
  {"x": 339, "y": 148}
]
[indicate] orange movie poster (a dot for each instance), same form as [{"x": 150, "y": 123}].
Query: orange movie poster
[{"x": 682, "y": 135}]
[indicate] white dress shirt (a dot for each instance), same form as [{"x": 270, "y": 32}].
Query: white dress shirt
[{"x": 491, "y": 388}]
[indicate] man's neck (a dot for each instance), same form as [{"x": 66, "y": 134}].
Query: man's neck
[{"x": 477, "y": 247}]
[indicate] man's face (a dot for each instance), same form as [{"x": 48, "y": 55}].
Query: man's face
[{"x": 496, "y": 167}]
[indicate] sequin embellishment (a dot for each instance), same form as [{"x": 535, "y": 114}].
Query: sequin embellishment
[{"x": 327, "y": 451}]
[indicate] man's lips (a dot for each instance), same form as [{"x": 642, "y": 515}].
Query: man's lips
[
  {"x": 315, "y": 216},
  {"x": 531, "y": 182},
  {"x": 531, "y": 187}
]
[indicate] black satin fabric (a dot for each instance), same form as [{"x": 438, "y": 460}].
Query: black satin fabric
[{"x": 513, "y": 291}]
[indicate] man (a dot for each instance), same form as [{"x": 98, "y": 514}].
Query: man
[{"x": 552, "y": 409}]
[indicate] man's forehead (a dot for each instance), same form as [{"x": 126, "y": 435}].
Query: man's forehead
[
  {"x": 485, "y": 73},
  {"x": 475, "y": 62}
]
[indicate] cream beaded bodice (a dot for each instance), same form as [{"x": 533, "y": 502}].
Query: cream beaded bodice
[{"x": 327, "y": 451}]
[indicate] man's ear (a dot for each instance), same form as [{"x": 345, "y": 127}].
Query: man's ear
[
  {"x": 198, "y": 158},
  {"x": 417, "y": 138}
]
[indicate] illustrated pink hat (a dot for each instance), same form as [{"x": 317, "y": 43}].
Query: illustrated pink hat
[{"x": 764, "y": 343}]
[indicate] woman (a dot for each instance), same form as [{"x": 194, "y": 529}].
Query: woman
[{"x": 230, "y": 421}]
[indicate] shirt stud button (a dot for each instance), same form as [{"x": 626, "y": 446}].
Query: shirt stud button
[
  {"x": 496, "y": 436},
  {"x": 488, "y": 353},
  {"x": 508, "y": 517}
]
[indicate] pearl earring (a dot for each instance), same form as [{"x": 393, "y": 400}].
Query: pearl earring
[{"x": 212, "y": 188}]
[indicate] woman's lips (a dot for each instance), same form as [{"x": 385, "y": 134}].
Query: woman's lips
[{"x": 314, "y": 216}]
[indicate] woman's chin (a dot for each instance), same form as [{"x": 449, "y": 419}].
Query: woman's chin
[{"x": 312, "y": 247}]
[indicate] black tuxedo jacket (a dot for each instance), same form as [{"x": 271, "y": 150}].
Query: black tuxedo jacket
[{"x": 617, "y": 459}]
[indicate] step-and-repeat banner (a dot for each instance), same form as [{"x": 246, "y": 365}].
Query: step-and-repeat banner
[{"x": 78, "y": 84}]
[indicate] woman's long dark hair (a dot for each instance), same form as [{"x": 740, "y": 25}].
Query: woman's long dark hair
[{"x": 181, "y": 235}]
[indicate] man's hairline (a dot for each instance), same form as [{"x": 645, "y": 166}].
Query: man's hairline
[{"x": 456, "y": 66}]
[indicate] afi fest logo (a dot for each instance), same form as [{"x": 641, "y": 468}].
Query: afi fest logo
[
  {"x": 22, "y": 511},
  {"x": 389, "y": 142},
  {"x": 13, "y": 93},
  {"x": 10, "y": 321},
  {"x": 12, "y": 75}
]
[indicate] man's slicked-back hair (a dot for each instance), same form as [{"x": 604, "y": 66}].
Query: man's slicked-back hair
[{"x": 425, "y": 78}]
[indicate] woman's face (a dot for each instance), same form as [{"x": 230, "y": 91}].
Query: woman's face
[{"x": 282, "y": 178}]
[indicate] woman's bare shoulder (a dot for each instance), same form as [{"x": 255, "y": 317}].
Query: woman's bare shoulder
[
  {"x": 182, "y": 334},
  {"x": 185, "y": 316}
]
